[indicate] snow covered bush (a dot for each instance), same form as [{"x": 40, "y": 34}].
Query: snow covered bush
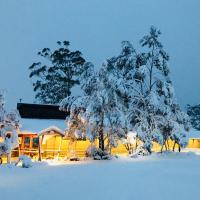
[
  {"x": 91, "y": 151},
  {"x": 140, "y": 151},
  {"x": 130, "y": 141},
  {"x": 97, "y": 154},
  {"x": 25, "y": 161}
]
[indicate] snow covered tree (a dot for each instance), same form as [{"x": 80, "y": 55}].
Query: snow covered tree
[
  {"x": 77, "y": 105},
  {"x": 194, "y": 113},
  {"x": 131, "y": 92},
  {"x": 181, "y": 125},
  {"x": 154, "y": 114},
  {"x": 54, "y": 80},
  {"x": 97, "y": 107},
  {"x": 119, "y": 71},
  {"x": 75, "y": 122},
  {"x": 9, "y": 122},
  {"x": 144, "y": 92}
]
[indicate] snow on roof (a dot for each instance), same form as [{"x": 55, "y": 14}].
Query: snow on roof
[
  {"x": 52, "y": 128},
  {"x": 194, "y": 134},
  {"x": 40, "y": 125}
]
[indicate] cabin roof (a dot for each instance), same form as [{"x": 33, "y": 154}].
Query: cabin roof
[{"x": 40, "y": 111}]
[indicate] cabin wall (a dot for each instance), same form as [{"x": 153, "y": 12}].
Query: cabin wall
[
  {"x": 169, "y": 144},
  {"x": 80, "y": 147},
  {"x": 55, "y": 145},
  {"x": 120, "y": 149},
  {"x": 194, "y": 144}
]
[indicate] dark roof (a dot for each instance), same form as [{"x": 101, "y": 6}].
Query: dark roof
[{"x": 40, "y": 111}]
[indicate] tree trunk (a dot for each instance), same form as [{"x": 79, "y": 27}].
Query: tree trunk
[
  {"x": 136, "y": 144},
  {"x": 101, "y": 133},
  {"x": 166, "y": 147},
  {"x": 168, "y": 144},
  {"x": 179, "y": 148},
  {"x": 101, "y": 139},
  {"x": 40, "y": 148},
  {"x": 162, "y": 148},
  {"x": 174, "y": 146}
]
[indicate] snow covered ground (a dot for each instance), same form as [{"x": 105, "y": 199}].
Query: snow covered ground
[{"x": 157, "y": 177}]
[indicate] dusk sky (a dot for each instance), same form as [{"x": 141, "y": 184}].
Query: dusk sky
[{"x": 96, "y": 27}]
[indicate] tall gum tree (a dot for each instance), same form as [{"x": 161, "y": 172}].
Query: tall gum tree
[{"x": 53, "y": 80}]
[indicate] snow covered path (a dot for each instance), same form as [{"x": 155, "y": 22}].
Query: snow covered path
[{"x": 167, "y": 177}]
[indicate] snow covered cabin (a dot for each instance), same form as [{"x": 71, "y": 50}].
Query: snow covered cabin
[{"x": 42, "y": 130}]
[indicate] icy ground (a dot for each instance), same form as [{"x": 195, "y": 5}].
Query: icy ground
[{"x": 166, "y": 177}]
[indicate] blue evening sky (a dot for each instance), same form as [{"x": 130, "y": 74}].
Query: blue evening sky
[{"x": 96, "y": 27}]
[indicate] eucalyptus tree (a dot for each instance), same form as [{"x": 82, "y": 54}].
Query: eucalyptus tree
[{"x": 54, "y": 78}]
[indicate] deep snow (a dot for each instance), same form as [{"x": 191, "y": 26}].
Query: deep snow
[{"x": 157, "y": 177}]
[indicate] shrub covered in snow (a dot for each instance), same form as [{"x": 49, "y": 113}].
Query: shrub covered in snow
[
  {"x": 140, "y": 151},
  {"x": 97, "y": 154},
  {"x": 25, "y": 161},
  {"x": 130, "y": 141}
]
